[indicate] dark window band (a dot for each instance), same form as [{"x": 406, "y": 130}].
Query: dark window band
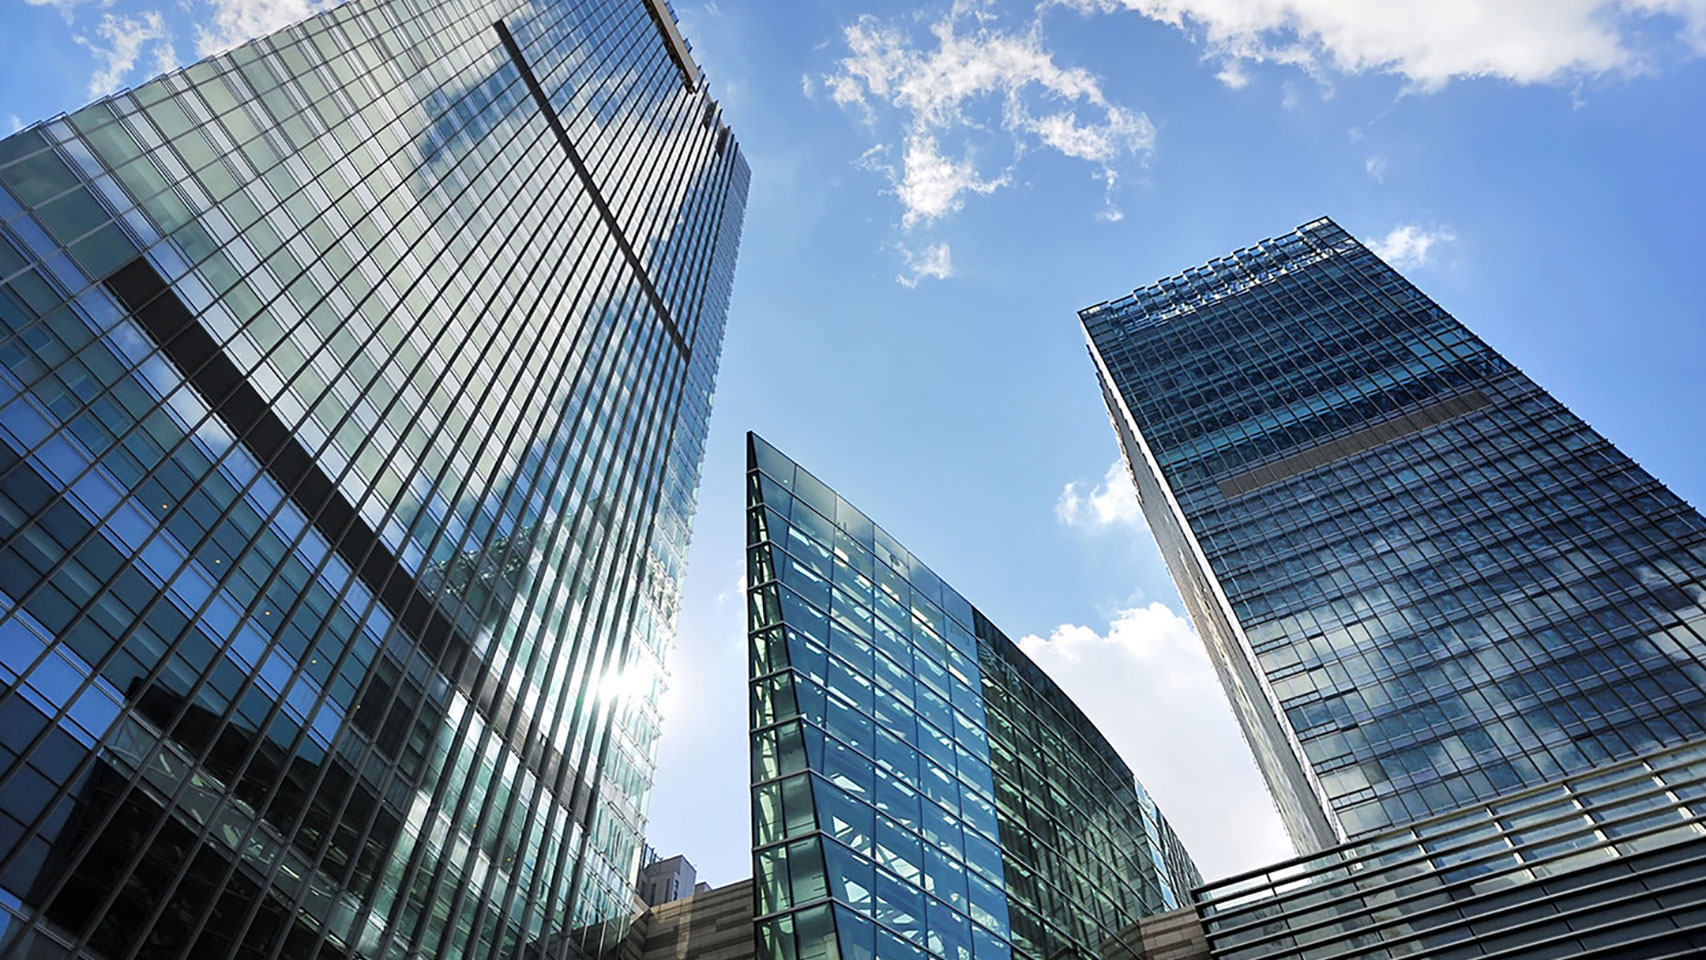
[
  {"x": 165, "y": 318},
  {"x": 585, "y": 175},
  {"x": 1365, "y": 439}
]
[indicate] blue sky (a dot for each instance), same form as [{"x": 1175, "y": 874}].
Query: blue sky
[{"x": 937, "y": 188}]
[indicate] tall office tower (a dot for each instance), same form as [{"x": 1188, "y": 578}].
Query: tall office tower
[
  {"x": 355, "y": 384},
  {"x": 920, "y": 788},
  {"x": 1423, "y": 581}
]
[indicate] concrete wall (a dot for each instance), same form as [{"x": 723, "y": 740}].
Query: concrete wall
[
  {"x": 1175, "y": 935},
  {"x": 714, "y": 925}
]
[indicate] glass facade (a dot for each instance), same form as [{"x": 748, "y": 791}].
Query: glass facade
[
  {"x": 354, "y": 389},
  {"x": 920, "y": 788},
  {"x": 1423, "y": 581}
]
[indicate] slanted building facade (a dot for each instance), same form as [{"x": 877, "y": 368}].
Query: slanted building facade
[
  {"x": 1464, "y": 635},
  {"x": 920, "y": 788},
  {"x": 1423, "y": 581}
]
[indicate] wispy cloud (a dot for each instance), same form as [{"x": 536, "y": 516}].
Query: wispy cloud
[
  {"x": 1411, "y": 245},
  {"x": 1233, "y": 74},
  {"x": 16, "y": 123},
  {"x": 736, "y": 591},
  {"x": 931, "y": 185},
  {"x": 65, "y": 7},
  {"x": 1428, "y": 42},
  {"x": 119, "y": 43},
  {"x": 235, "y": 22},
  {"x": 1375, "y": 167},
  {"x": 1195, "y": 764},
  {"x": 934, "y": 261},
  {"x": 1110, "y": 503},
  {"x": 965, "y": 99}
]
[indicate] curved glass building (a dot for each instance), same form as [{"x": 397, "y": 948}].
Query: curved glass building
[
  {"x": 920, "y": 788},
  {"x": 354, "y": 389}
]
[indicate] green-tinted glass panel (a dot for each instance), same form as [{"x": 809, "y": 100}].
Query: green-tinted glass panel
[
  {"x": 921, "y": 716},
  {"x": 351, "y": 432}
]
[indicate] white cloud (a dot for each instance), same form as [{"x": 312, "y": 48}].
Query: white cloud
[
  {"x": 65, "y": 7},
  {"x": 1101, "y": 143},
  {"x": 1429, "y": 42},
  {"x": 736, "y": 590},
  {"x": 1410, "y": 245},
  {"x": 165, "y": 56},
  {"x": 1233, "y": 74},
  {"x": 1148, "y": 686},
  {"x": 1692, "y": 14},
  {"x": 16, "y": 123},
  {"x": 1375, "y": 165},
  {"x": 120, "y": 44},
  {"x": 846, "y": 91},
  {"x": 930, "y": 184},
  {"x": 236, "y": 22},
  {"x": 121, "y": 40},
  {"x": 970, "y": 92},
  {"x": 1111, "y": 503},
  {"x": 935, "y": 261}
]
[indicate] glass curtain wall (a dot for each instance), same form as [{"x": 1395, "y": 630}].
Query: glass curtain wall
[
  {"x": 1423, "y": 581},
  {"x": 354, "y": 391},
  {"x": 920, "y": 788}
]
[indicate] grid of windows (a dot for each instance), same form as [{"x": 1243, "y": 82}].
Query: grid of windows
[
  {"x": 1086, "y": 851},
  {"x": 1424, "y": 582},
  {"x": 920, "y": 788},
  {"x": 355, "y": 386}
]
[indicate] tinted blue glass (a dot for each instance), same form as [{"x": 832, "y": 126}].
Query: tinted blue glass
[
  {"x": 940, "y": 831},
  {"x": 1425, "y": 580},
  {"x": 355, "y": 383}
]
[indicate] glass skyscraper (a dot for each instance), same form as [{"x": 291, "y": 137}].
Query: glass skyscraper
[
  {"x": 1424, "y": 583},
  {"x": 921, "y": 789},
  {"x": 354, "y": 391}
]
